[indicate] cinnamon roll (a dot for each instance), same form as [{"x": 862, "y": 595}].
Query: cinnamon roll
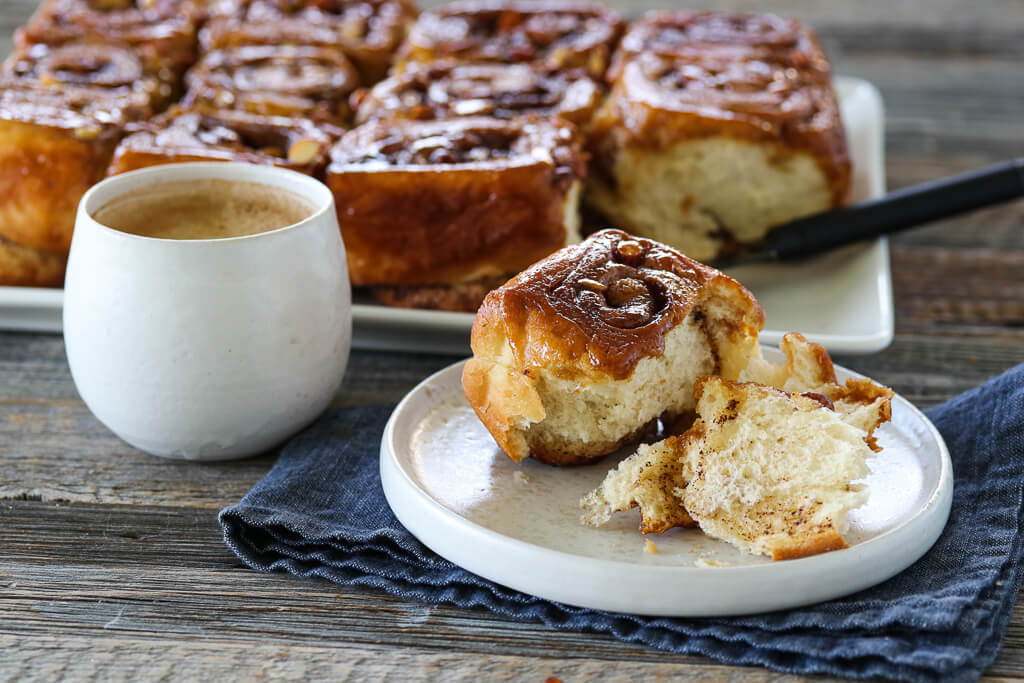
[
  {"x": 161, "y": 32},
  {"x": 54, "y": 144},
  {"x": 185, "y": 135},
  {"x": 562, "y": 34},
  {"x": 308, "y": 82},
  {"x": 446, "y": 203},
  {"x": 504, "y": 91},
  {"x": 707, "y": 153},
  {"x": 367, "y": 31},
  {"x": 579, "y": 354},
  {"x": 115, "y": 69}
]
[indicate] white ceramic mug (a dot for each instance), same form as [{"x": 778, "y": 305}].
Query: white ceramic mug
[{"x": 207, "y": 349}]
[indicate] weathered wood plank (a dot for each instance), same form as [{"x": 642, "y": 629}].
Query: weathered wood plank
[
  {"x": 121, "y": 573},
  {"x": 110, "y": 659}
]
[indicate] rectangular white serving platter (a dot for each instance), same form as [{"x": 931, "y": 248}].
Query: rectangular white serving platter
[{"x": 842, "y": 300}]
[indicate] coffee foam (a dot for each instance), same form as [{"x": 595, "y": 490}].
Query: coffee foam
[{"x": 210, "y": 208}]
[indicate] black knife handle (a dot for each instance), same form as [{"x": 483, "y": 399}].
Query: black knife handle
[{"x": 904, "y": 208}]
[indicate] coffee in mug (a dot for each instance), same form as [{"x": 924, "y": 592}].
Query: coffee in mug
[{"x": 206, "y": 209}]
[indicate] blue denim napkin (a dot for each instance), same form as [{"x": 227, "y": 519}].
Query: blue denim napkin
[{"x": 320, "y": 512}]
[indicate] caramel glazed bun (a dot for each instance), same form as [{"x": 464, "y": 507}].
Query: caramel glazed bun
[
  {"x": 579, "y": 354},
  {"x": 561, "y": 34},
  {"x": 367, "y": 31},
  {"x": 704, "y": 103},
  {"x": 447, "y": 204},
  {"x": 184, "y": 135},
  {"x": 505, "y": 91},
  {"x": 117, "y": 70},
  {"x": 307, "y": 82}
]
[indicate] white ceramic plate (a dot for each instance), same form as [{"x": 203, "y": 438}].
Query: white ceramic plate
[
  {"x": 842, "y": 300},
  {"x": 517, "y": 524}
]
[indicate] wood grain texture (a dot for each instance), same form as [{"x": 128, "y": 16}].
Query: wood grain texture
[
  {"x": 112, "y": 566},
  {"x": 121, "y": 573}
]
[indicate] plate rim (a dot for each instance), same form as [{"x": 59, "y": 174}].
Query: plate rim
[{"x": 937, "y": 504}]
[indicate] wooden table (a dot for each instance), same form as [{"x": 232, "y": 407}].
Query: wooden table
[{"x": 112, "y": 563}]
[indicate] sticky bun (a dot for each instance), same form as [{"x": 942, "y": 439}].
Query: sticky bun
[
  {"x": 367, "y": 31},
  {"x": 579, "y": 354},
  {"x": 54, "y": 144},
  {"x": 187, "y": 135},
  {"x": 308, "y": 82},
  {"x": 707, "y": 153},
  {"x": 504, "y": 91},
  {"x": 559, "y": 33},
  {"x": 115, "y": 69},
  {"x": 450, "y": 203},
  {"x": 161, "y": 32}
]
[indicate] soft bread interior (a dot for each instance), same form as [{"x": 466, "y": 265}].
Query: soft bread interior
[
  {"x": 685, "y": 195},
  {"x": 585, "y": 417},
  {"x": 772, "y": 470},
  {"x": 648, "y": 479},
  {"x": 808, "y": 368},
  {"x": 655, "y": 477}
]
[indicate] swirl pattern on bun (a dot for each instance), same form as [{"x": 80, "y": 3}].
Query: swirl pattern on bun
[
  {"x": 561, "y": 34},
  {"x": 161, "y": 32},
  {"x": 504, "y": 91},
  {"x": 304, "y": 82},
  {"x": 117, "y": 70},
  {"x": 367, "y": 31},
  {"x": 189, "y": 135}
]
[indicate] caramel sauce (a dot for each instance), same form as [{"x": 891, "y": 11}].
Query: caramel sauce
[
  {"x": 503, "y": 91},
  {"x": 611, "y": 299},
  {"x": 103, "y": 66},
  {"x": 698, "y": 35},
  {"x": 560, "y": 34},
  {"x": 306, "y": 71},
  {"x": 183, "y": 135},
  {"x": 468, "y": 140}
]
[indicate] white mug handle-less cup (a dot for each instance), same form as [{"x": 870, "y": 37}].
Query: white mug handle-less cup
[{"x": 207, "y": 349}]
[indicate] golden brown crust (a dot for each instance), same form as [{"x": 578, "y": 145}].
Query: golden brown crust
[
  {"x": 27, "y": 267},
  {"x": 161, "y": 32},
  {"x": 504, "y": 91},
  {"x": 602, "y": 305},
  {"x": 441, "y": 202},
  {"x": 54, "y": 144},
  {"x": 307, "y": 82},
  {"x": 367, "y": 31},
  {"x": 821, "y": 540},
  {"x": 559, "y": 33},
  {"x": 189, "y": 135},
  {"x": 658, "y": 101},
  {"x": 567, "y": 457}
]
